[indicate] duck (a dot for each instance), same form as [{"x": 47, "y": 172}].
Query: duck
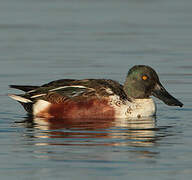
[{"x": 96, "y": 98}]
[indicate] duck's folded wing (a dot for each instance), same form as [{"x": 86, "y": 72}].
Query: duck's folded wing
[{"x": 65, "y": 93}]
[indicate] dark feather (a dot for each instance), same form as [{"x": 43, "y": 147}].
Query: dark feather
[{"x": 24, "y": 88}]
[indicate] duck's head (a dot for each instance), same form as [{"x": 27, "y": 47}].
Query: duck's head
[{"x": 142, "y": 81}]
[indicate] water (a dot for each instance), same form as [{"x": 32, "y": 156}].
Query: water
[{"x": 46, "y": 40}]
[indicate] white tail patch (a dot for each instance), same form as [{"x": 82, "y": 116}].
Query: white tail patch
[
  {"x": 39, "y": 106},
  {"x": 19, "y": 98}
]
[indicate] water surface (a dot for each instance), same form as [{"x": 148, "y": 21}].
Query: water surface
[{"x": 46, "y": 40}]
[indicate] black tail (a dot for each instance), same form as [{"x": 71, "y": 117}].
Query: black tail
[
  {"x": 24, "y": 88},
  {"x": 25, "y": 102}
]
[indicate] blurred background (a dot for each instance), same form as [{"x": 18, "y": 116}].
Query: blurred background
[{"x": 44, "y": 40}]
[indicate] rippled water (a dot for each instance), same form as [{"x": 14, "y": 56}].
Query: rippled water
[{"x": 46, "y": 40}]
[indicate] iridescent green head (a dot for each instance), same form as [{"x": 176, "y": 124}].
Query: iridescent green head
[{"x": 142, "y": 81}]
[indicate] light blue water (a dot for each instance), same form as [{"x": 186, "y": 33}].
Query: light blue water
[{"x": 46, "y": 40}]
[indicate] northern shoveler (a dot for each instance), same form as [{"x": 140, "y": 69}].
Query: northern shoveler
[{"x": 96, "y": 98}]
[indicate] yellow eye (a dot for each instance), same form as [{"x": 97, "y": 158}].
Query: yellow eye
[{"x": 144, "y": 77}]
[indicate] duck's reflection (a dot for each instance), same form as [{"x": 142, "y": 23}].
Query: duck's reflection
[{"x": 92, "y": 132}]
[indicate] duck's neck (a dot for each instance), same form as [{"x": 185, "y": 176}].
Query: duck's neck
[
  {"x": 133, "y": 90},
  {"x": 130, "y": 90}
]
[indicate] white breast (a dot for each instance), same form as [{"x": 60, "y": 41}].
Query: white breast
[
  {"x": 136, "y": 109},
  {"x": 143, "y": 108}
]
